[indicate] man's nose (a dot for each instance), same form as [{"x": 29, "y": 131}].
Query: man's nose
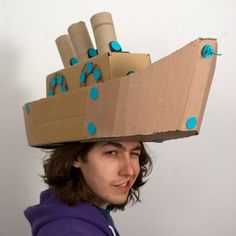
[{"x": 126, "y": 165}]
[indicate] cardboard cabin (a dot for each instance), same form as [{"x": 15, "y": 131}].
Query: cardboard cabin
[{"x": 113, "y": 94}]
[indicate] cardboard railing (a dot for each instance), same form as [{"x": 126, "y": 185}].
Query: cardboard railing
[{"x": 117, "y": 95}]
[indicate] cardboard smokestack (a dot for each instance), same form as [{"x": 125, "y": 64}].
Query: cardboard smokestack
[
  {"x": 103, "y": 30},
  {"x": 80, "y": 39},
  {"x": 65, "y": 49}
]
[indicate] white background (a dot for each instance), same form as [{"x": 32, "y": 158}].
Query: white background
[{"x": 192, "y": 189}]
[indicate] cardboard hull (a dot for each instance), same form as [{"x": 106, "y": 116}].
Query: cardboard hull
[{"x": 163, "y": 101}]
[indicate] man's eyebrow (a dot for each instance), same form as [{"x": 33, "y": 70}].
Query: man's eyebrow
[
  {"x": 137, "y": 148},
  {"x": 118, "y": 145}
]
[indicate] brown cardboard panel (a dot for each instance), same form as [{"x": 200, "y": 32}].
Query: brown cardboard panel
[
  {"x": 112, "y": 66},
  {"x": 155, "y": 103},
  {"x": 123, "y": 63},
  {"x": 156, "y": 95},
  {"x": 102, "y": 112},
  {"x": 56, "y": 118}
]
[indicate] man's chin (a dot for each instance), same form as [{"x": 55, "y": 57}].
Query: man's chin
[{"x": 119, "y": 201}]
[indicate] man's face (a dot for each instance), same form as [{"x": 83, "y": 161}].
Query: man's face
[{"x": 111, "y": 170}]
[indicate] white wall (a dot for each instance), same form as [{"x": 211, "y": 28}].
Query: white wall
[{"x": 192, "y": 189}]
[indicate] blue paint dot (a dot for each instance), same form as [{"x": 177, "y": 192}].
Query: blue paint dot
[
  {"x": 115, "y": 46},
  {"x": 97, "y": 74},
  {"x": 59, "y": 79},
  {"x": 94, "y": 93},
  {"x": 191, "y": 122},
  {"x": 91, "y": 128},
  {"x": 92, "y": 52},
  {"x": 27, "y": 108},
  {"x": 50, "y": 93},
  {"x": 74, "y": 60},
  {"x": 82, "y": 77},
  {"x": 207, "y": 51},
  {"x": 89, "y": 67},
  {"x": 63, "y": 89},
  {"x": 53, "y": 81}
]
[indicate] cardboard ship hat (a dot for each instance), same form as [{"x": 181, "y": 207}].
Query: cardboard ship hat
[{"x": 112, "y": 94}]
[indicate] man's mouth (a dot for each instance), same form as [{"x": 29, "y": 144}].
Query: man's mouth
[{"x": 123, "y": 186}]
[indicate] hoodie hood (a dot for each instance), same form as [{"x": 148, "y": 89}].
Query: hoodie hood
[{"x": 52, "y": 209}]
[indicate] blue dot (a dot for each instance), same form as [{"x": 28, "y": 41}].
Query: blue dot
[
  {"x": 74, "y": 60},
  {"x": 94, "y": 93},
  {"x": 50, "y": 93},
  {"x": 82, "y": 77},
  {"x": 89, "y": 67},
  {"x": 115, "y": 46},
  {"x": 53, "y": 81},
  {"x": 92, "y": 52},
  {"x": 63, "y": 89},
  {"x": 97, "y": 74},
  {"x": 59, "y": 79},
  {"x": 27, "y": 108},
  {"x": 91, "y": 128},
  {"x": 191, "y": 122},
  {"x": 207, "y": 51}
]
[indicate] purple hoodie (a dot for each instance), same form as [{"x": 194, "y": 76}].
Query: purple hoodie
[{"x": 54, "y": 218}]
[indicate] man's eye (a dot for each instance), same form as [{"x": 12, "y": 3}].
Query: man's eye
[
  {"x": 111, "y": 153},
  {"x": 136, "y": 154}
]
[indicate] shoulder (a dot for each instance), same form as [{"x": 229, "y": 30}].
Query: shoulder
[
  {"x": 70, "y": 227},
  {"x": 74, "y": 234},
  {"x": 53, "y": 217}
]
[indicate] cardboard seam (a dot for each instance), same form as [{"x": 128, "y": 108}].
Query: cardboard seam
[{"x": 190, "y": 86}]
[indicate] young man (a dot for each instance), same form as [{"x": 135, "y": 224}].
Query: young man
[{"x": 86, "y": 181}]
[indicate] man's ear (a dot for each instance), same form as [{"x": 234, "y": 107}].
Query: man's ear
[{"x": 76, "y": 164}]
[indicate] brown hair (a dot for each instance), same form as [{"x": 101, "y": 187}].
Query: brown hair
[{"x": 67, "y": 182}]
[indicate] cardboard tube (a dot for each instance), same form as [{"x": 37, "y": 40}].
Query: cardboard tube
[
  {"x": 80, "y": 39},
  {"x": 65, "y": 49},
  {"x": 103, "y": 30}
]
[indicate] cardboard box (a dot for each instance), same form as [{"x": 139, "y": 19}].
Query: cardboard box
[
  {"x": 112, "y": 65},
  {"x": 165, "y": 100}
]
